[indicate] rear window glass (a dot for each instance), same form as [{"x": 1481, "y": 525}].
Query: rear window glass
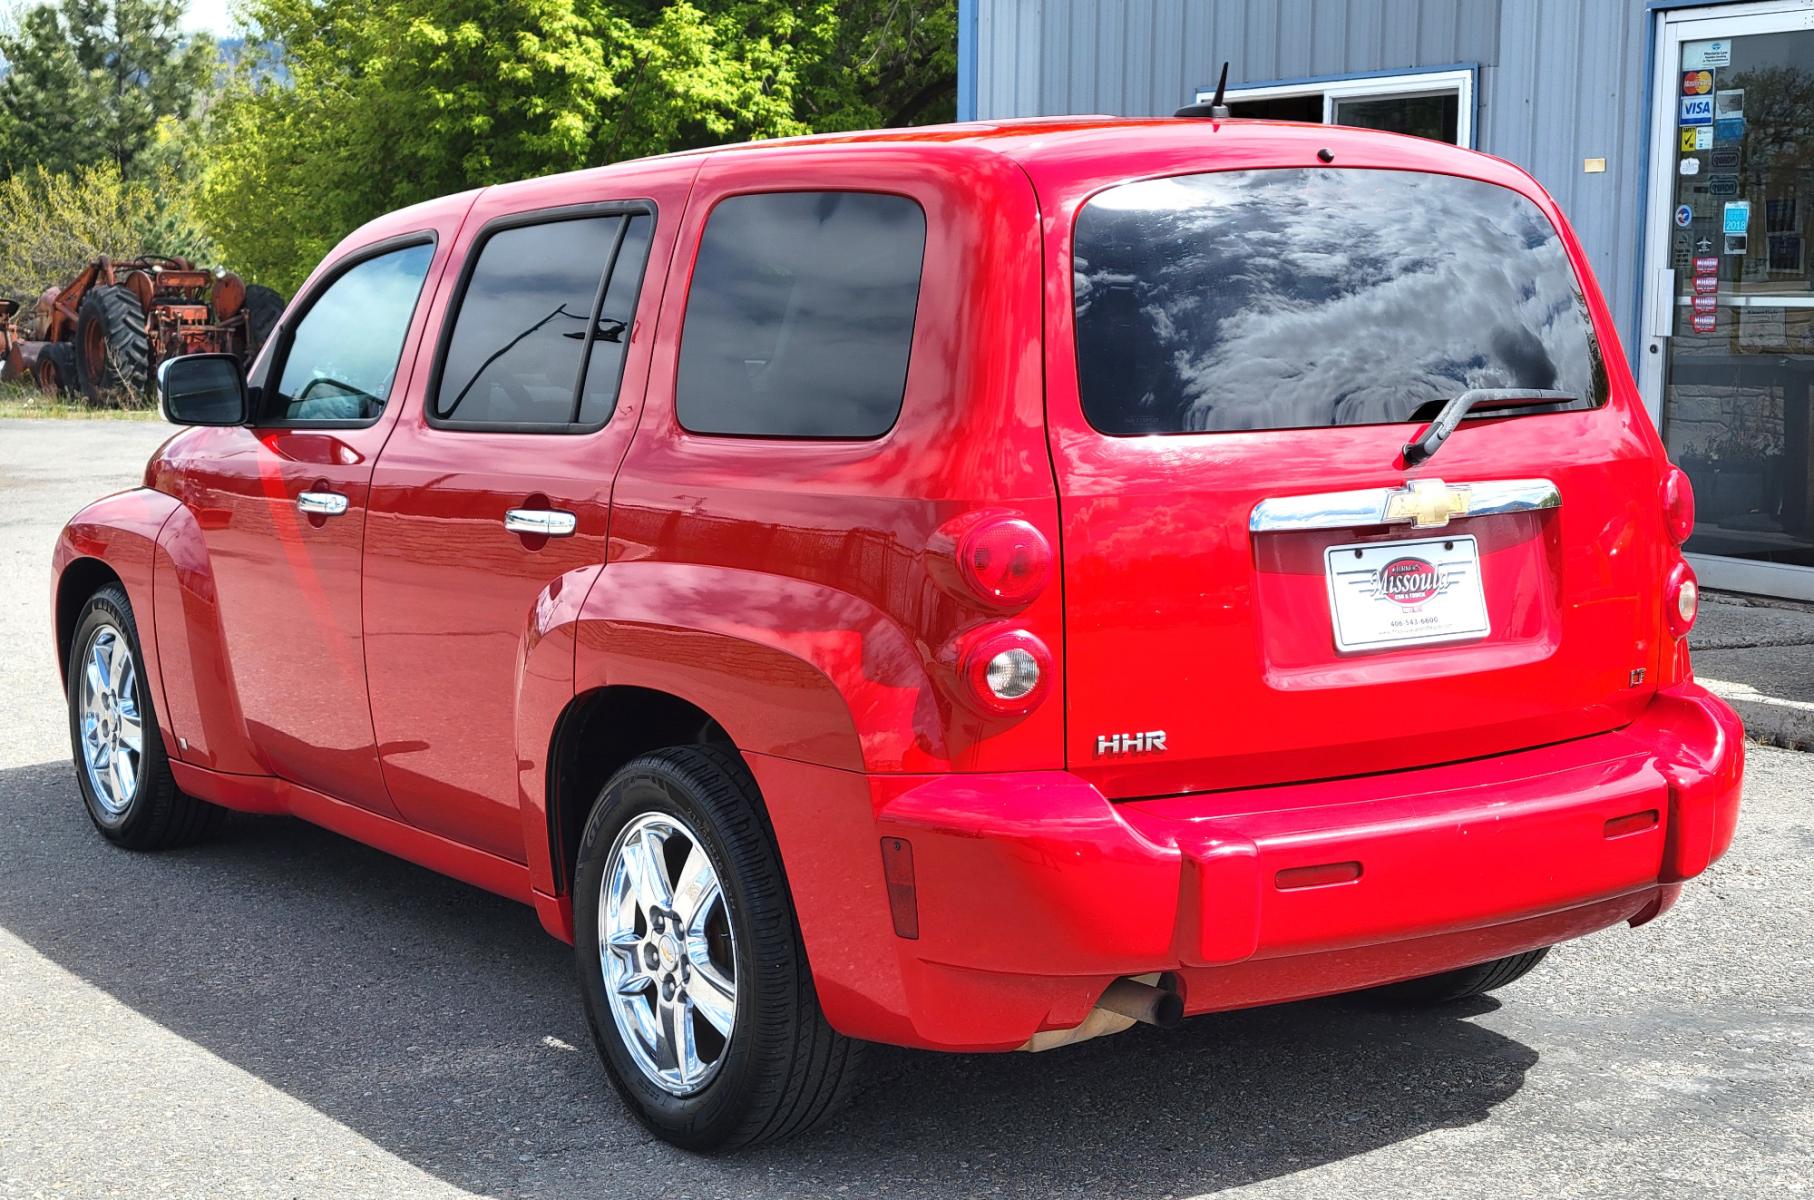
[
  {"x": 1290, "y": 299},
  {"x": 800, "y": 316}
]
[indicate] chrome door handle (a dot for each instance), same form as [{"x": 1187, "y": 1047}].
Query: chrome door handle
[
  {"x": 541, "y": 522},
  {"x": 324, "y": 504}
]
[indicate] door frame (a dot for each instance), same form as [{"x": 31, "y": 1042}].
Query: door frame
[{"x": 1673, "y": 26}]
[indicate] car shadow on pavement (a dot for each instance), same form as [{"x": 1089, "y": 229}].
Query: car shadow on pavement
[{"x": 441, "y": 1024}]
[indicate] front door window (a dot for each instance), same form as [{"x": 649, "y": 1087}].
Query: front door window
[{"x": 1739, "y": 367}]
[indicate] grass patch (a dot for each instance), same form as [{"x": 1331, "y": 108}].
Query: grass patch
[{"x": 23, "y": 400}]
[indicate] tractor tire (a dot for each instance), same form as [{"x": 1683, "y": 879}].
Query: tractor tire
[
  {"x": 55, "y": 372},
  {"x": 113, "y": 348},
  {"x": 262, "y": 308}
]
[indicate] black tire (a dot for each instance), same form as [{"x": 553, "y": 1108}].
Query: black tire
[
  {"x": 157, "y": 816},
  {"x": 262, "y": 307},
  {"x": 1451, "y": 986},
  {"x": 782, "y": 1070},
  {"x": 113, "y": 348},
  {"x": 56, "y": 370}
]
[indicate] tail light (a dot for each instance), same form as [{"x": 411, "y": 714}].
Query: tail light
[
  {"x": 1004, "y": 670},
  {"x": 1678, "y": 505},
  {"x": 1002, "y": 559},
  {"x": 1681, "y": 600}
]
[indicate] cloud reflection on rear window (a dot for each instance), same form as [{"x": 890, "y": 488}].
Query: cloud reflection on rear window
[{"x": 1291, "y": 298}]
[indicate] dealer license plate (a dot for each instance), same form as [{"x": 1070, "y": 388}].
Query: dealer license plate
[{"x": 1405, "y": 593}]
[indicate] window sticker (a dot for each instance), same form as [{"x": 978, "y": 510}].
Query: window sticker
[
  {"x": 1736, "y": 218},
  {"x": 1706, "y": 285},
  {"x": 1728, "y": 130},
  {"x": 1722, "y": 185},
  {"x": 1700, "y": 56},
  {"x": 1729, "y": 104},
  {"x": 1697, "y": 110},
  {"x": 1690, "y": 166},
  {"x": 1684, "y": 216},
  {"x": 1706, "y": 322},
  {"x": 1697, "y": 83},
  {"x": 1725, "y": 158},
  {"x": 1706, "y": 304},
  {"x": 1707, "y": 265}
]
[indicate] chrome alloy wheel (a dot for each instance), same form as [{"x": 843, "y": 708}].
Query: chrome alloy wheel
[
  {"x": 113, "y": 739},
  {"x": 669, "y": 957}
]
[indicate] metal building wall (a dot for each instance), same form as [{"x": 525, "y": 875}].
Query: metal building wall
[{"x": 1559, "y": 81}]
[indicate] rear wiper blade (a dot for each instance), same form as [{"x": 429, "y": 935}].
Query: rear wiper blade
[{"x": 1452, "y": 412}]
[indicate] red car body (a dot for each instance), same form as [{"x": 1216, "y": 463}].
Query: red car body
[{"x": 1307, "y": 823}]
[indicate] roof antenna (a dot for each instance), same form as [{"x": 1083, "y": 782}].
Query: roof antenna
[{"x": 1215, "y": 109}]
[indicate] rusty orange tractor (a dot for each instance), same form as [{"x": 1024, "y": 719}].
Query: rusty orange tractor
[{"x": 104, "y": 332}]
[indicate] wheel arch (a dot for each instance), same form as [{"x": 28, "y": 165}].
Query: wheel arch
[
  {"x": 595, "y": 735},
  {"x": 80, "y": 578}
]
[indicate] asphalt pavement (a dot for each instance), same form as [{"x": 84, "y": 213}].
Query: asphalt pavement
[{"x": 282, "y": 1012}]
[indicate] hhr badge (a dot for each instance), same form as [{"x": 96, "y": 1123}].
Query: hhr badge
[{"x": 1129, "y": 743}]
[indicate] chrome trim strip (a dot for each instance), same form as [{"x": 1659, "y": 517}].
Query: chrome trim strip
[
  {"x": 541, "y": 522},
  {"x": 1368, "y": 506}
]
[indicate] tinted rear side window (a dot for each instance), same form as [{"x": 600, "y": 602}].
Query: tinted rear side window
[
  {"x": 800, "y": 315},
  {"x": 513, "y": 357},
  {"x": 1288, "y": 298}
]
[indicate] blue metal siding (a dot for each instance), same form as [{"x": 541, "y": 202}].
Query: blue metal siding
[{"x": 1560, "y": 81}]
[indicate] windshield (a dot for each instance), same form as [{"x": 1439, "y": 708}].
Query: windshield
[{"x": 1294, "y": 298}]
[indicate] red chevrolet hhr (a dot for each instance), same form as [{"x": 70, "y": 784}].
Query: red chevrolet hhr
[{"x": 970, "y": 588}]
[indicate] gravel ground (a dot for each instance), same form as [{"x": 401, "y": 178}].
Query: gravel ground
[{"x": 285, "y": 1013}]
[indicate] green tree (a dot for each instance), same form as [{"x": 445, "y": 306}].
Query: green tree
[
  {"x": 90, "y": 80},
  {"x": 362, "y": 106}
]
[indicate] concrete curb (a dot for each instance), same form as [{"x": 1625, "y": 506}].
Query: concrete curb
[{"x": 1758, "y": 656}]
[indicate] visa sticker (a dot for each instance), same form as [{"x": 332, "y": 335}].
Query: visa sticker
[{"x": 1697, "y": 110}]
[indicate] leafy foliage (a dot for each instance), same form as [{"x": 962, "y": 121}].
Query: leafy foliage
[
  {"x": 357, "y": 107},
  {"x": 57, "y": 222},
  {"x": 90, "y": 80}
]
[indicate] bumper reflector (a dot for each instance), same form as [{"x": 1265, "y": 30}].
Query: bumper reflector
[
  {"x": 1321, "y": 875},
  {"x": 903, "y": 899}
]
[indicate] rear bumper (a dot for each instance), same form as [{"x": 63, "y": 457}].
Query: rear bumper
[{"x": 1034, "y": 892}]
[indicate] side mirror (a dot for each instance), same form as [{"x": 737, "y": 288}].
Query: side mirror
[{"x": 203, "y": 389}]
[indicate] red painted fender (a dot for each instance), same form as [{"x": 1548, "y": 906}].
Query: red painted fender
[{"x": 120, "y": 531}]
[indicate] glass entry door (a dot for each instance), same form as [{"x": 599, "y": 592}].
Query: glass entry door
[{"x": 1729, "y": 362}]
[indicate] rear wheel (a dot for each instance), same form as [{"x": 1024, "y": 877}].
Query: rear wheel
[
  {"x": 121, "y": 767},
  {"x": 1459, "y": 985},
  {"x": 113, "y": 347},
  {"x": 55, "y": 372},
  {"x": 262, "y": 308},
  {"x": 691, "y": 968}
]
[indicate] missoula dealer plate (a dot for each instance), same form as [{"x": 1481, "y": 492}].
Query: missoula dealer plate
[{"x": 1405, "y": 593}]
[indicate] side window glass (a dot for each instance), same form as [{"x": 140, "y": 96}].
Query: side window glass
[
  {"x": 532, "y": 314},
  {"x": 800, "y": 315},
  {"x": 342, "y": 357},
  {"x": 616, "y": 316}
]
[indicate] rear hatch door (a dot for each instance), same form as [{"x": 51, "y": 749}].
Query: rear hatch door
[{"x": 1258, "y": 589}]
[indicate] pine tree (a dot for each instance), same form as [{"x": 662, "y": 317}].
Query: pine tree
[{"x": 89, "y": 80}]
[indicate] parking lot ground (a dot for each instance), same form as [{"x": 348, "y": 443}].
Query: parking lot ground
[{"x": 281, "y": 1012}]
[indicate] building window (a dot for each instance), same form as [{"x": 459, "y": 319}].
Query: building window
[{"x": 1432, "y": 104}]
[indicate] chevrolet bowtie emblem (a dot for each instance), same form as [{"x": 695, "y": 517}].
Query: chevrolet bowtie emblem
[{"x": 1426, "y": 504}]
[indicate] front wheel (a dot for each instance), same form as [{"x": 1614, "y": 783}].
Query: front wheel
[
  {"x": 121, "y": 767},
  {"x": 690, "y": 962}
]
